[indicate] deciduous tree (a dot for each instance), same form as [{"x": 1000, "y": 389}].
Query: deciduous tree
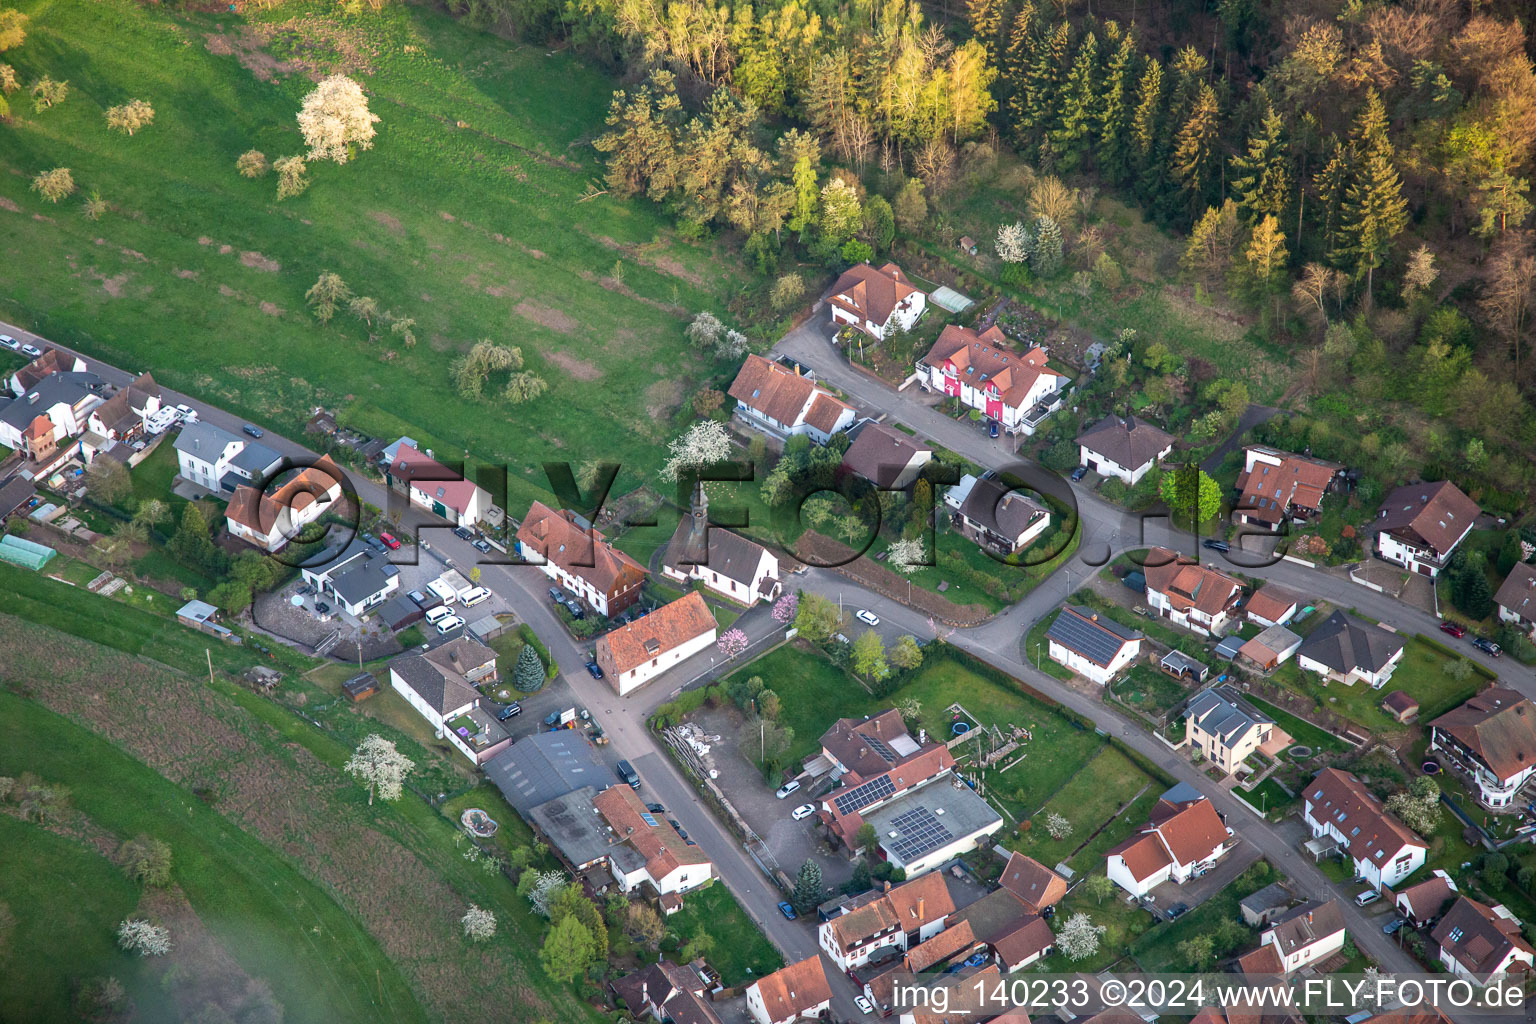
[
  {"x": 364, "y": 307},
  {"x": 732, "y": 643},
  {"x": 379, "y": 766},
  {"x": 567, "y": 951},
  {"x": 130, "y": 117},
  {"x": 327, "y": 293},
  {"x": 1079, "y": 937},
  {"x": 292, "y": 176},
  {"x": 334, "y": 118},
  {"x": 55, "y": 184},
  {"x": 479, "y": 923},
  {"x": 868, "y": 656},
  {"x": 817, "y": 618},
  {"x": 705, "y": 443},
  {"x": 252, "y": 164},
  {"x": 136, "y": 935},
  {"x": 13, "y": 29},
  {"x": 146, "y": 860},
  {"x": 906, "y": 654},
  {"x": 1509, "y": 290},
  {"x": 46, "y": 92},
  {"x": 524, "y": 386},
  {"x": 787, "y": 292},
  {"x": 1100, "y": 887},
  {"x": 911, "y": 207}
]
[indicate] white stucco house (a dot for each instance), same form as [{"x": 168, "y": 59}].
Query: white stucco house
[
  {"x": 1124, "y": 448},
  {"x": 876, "y": 300},
  {"x": 439, "y": 685},
  {"x": 1420, "y": 525},
  {"x": 1091, "y": 644},
  {"x": 782, "y": 403},
  {"x": 1340, "y": 811},
  {"x": 1016, "y": 391},
  {"x": 1184, "y": 839},
  {"x": 637, "y": 652}
]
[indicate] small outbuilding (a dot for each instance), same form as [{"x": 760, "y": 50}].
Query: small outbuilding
[
  {"x": 1181, "y": 666},
  {"x": 1400, "y": 706},
  {"x": 360, "y": 687}
]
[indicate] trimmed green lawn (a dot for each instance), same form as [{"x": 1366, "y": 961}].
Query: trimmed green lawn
[
  {"x": 1037, "y": 647},
  {"x": 1090, "y": 799},
  {"x": 741, "y": 952},
  {"x": 1218, "y": 917},
  {"x": 322, "y": 965},
  {"x": 1421, "y": 674},
  {"x": 1268, "y": 798},
  {"x": 1149, "y": 689},
  {"x": 813, "y": 693},
  {"x": 1302, "y": 732}
]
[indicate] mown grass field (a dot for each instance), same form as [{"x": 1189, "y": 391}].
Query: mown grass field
[
  {"x": 465, "y": 216},
  {"x": 741, "y": 952}
]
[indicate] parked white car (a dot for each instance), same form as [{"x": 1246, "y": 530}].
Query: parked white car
[
  {"x": 188, "y": 414},
  {"x": 31, "y": 350},
  {"x": 867, "y": 617},
  {"x": 437, "y": 615},
  {"x": 473, "y": 596},
  {"x": 6, "y": 341},
  {"x": 786, "y": 789},
  {"x": 803, "y": 811},
  {"x": 449, "y": 624}
]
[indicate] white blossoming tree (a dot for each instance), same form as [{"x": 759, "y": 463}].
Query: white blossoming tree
[
  {"x": 479, "y": 924},
  {"x": 1057, "y": 826},
  {"x": 1079, "y": 940},
  {"x": 335, "y": 117},
  {"x": 136, "y": 935},
  {"x": 380, "y": 767},
  {"x": 545, "y": 885},
  {"x": 907, "y": 555},
  {"x": 1013, "y": 243},
  {"x": 704, "y": 444}
]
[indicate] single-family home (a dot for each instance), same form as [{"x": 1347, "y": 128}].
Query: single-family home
[
  {"x": 52, "y": 361},
  {"x": 1184, "y": 839},
  {"x": 1272, "y": 605},
  {"x": 1016, "y": 935},
  {"x": 1516, "y": 597},
  {"x": 1492, "y": 740},
  {"x": 1400, "y": 706},
  {"x": 1123, "y": 447},
  {"x": 781, "y": 402},
  {"x": 1303, "y": 936},
  {"x": 1016, "y": 392},
  {"x": 1424, "y": 901},
  {"x": 886, "y": 458},
  {"x": 1348, "y": 651},
  {"x": 1419, "y": 526},
  {"x": 433, "y": 486},
  {"x": 39, "y": 420},
  {"x": 725, "y": 562},
  {"x": 1339, "y": 809},
  {"x": 440, "y": 685},
  {"x": 952, "y": 946},
  {"x": 1271, "y": 647},
  {"x": 658, "y": 854},
  {"x": 1091, "y": 644},
  {"x": 786, "y": 995},
  {"x": 580, "y": 558},
  {"x": 1032, "y": 882},
  {"x": 218, "y": 461},
  {"x": 901, "y": 917},
  {"x": 1194, "y": 596},
  {"x": 1275, "y": 486},
  {"x": 666, "y": 991},
  {"x": 999, "y": 519},
  {"x": 269, "y": 522},
  {"x": 1482, "y": 943},
  {"x": 121, "y": 417},
  {"x": 1225, "y": 727},
  {"x": 876, "y": 300},
  {"x": 635, "y": 653},
  {"x": 357, "y": 579}
]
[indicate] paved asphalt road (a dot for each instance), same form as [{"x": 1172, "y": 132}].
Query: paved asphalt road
[{"x": 1108, "y": 530}]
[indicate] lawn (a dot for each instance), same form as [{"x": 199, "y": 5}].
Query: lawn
[
  {"x": 1301, "y": 731},
  {"x": 280, "y": 927},
  {"x": 1157, "y": 950},
  {"x": 812, "y": 691},
  {"x": 741, "y": 952},
  {"x": 1149, "y": 689},
  {"x": 971, "y": 576},
  {"x": 1038, "y": 647},
  {"x": 1089, "y": 800},
  {"x": 467, "y": 216},
  {"x": 1421, "y": 674},
  {"x": 1268, "y": 798}
]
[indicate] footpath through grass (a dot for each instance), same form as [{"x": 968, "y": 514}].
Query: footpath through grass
[{"x": 466, "y": 216}]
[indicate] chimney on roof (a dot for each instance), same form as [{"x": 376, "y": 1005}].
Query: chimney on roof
[
  {"x": 1309, "y": 917},
  {"x": 919, "y": 908},
  {"x": 887, "y": 885}
]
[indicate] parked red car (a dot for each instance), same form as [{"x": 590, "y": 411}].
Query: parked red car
[
  {"x": 389, "y": 541},
  {"x": 1452, "y": 628}
]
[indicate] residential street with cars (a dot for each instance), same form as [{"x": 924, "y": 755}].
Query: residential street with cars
[{"x": 1107, "y": 531}]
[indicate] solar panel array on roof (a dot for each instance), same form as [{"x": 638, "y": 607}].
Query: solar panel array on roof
[
  {"x": 878, "y": 746},
  {"x": 1098, "y": 641},
  {"x": 645, "y": 816},
  {"x": 860, "y": 797},
  {"x": 919, "y": 833}
]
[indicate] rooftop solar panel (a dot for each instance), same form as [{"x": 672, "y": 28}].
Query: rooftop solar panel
[
  {"x": 861, "y": 796},
  {"x": 1099, "y": 641},
  {"x": 878, "y": 746},
  {"x": 645, "y": 816},
  {"x": 919, "y": 833}
]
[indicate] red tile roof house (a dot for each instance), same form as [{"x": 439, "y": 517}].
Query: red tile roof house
[
  {"x": 1422, "y": 902},
  {"x": 876, "y": 301},
  {"x": 780, "y": 402},
  {"x": 1304, "y": 936},
  {"x": 952, "y": 945},
  {"x": 1017, "y": 935},
  {"x": 440, "y": 686},
  {"x": 436, "y": 488},
  {"x": 901, "y": 918},
  {"x": 1032, "y": 882},
  {"x": 1482, "y": 943},
  {"x": 1275, "y": 486},
  {"x": 878, "y": 762},
  {"x": 636, "y": 653},
  {"x": 580, "y": 558},
  {"x": 1196, "y": 597},
  {"x": 799, "y": 990},
  {"x": 1126, "y": 449},
  {"x": 1182, "y": 841},
  {"x": 1272, "y": 605},
  {"x": 1517, "y": 598},
  {"x": 1340, "y": 810},
  {"x": 1419, "y": 526},
  {"x": 662, "y": 857},
  {"x": 269, "y": 522},
  {"x": 1016, "y": 391},
  {"x": 1491, "y": 739}
]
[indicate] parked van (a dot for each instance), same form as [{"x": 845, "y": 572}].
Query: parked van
[
  {"x": 437, "y": 615},
  {"x": 444, "y": 592},
  {"x": 472, "y": 596},
  {"x": 449, "y": 624},
  {"x": 628, "y": 774}
]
